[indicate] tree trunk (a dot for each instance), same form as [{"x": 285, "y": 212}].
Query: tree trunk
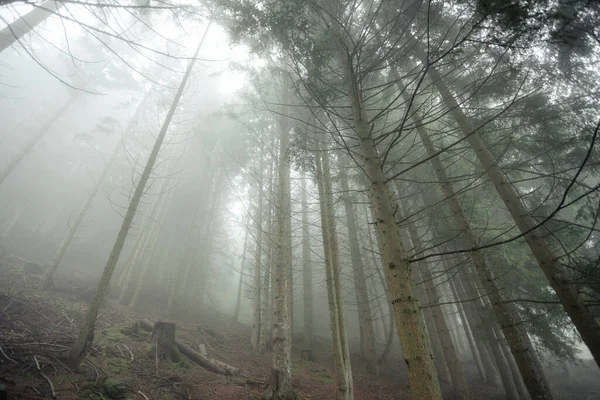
[
  {"x": 341, "y": 354},
  {"x": 161, "y": 203},
  {"x": 567, "y": 292},
  {"x": 194, "y": 282},
  {"x": 307, "y": 280},
  {"x": 459, "y": 382},
  {"x": 258, "y": 218},
  {"x": 177, "y": 285},
  {"x": 280, "y": 385},
  {"x": 514, "y": 370},
  {"x": 25, "y": 24},
  {"x": 365, "y": 318},
  {"x": 468, "y": 332},
  {"x": 17, "y": 158},
  {"x": 422, "y": 378},
  {"x": 378, "y": 266},
  {"x": 86, "y": 332},
  {"x": 441, "y": 365},
  {"x": 163, "y": 336},
  {"x": 525, "y": 357},
  {"x": 236, "y": 314}
]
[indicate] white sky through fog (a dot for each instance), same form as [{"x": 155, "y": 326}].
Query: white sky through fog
[{"x": 216, "y": 52}]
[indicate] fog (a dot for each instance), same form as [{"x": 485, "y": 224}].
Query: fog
[{"x": 299, "y": 199}]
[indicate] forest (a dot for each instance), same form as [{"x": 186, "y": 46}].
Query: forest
[{"x": 300, "y": 199}]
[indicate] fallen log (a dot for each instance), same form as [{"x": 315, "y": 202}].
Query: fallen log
[{"x": 204, "y": 361}]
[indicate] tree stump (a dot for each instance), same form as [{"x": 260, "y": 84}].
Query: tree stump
[
  {"x": 163, "y": 336},
  {"x": 306, "y": 355}
]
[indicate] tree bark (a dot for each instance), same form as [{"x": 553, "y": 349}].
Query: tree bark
[
  {"x": 86, "y": 332},
  {"x": 258, "y": 218},
  {"x": 163, "y": 335},
  {"x": 422, "y": 378},
  {"x": 280, "y": 385},
  {"x": 389, "y": 337},
  {"x": 306, "y": 271}
]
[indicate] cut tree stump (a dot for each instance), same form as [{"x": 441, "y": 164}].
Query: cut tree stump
[
  {"x": 202, "y": 360},
  {"x": 163, "y": 336}
]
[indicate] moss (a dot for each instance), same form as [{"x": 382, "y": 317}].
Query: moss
[
  {"x": 117, "y": 365},
  {"x": 110, "y": 335}
]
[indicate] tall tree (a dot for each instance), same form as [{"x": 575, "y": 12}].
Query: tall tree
[
  {"x": 280, "y": 384},
  {"x": 307, "y": 279},
  {"x": 86, "y": 332}
]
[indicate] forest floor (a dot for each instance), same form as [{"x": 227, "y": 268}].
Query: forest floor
[{"x": 37, "y": 329}]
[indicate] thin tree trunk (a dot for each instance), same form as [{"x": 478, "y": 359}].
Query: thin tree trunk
[
  {"x": 17, "y": 158},
  {"x": 236, "y": 314},
  {"x": 264, "y": 307},
  {"x": 258, "y": 218},
  {"x": 86, "y": 332},
  {"x": 25, "y": 24},
  {"x": 574, "y": 305},
  {"x": 441, "y": 365},
  {"x": 162, "y": 202},
  {"x": 514, "y": 370},
  {"x": 365, "y": 318},
  {"x": 306, "y": 271},
  {"x": 280, "y": 385},
  {"x": 341, "y": 353},
  {"x": 194, "y": 283},
  {"x": 468, "y": 332},
  {"x": 422, "y": 378}
]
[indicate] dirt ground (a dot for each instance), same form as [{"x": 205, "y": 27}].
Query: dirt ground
[{"x": 37, "y": 330}]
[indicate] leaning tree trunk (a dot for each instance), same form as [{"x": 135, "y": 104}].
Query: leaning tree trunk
[
  {"x": 25, "y": 24},
  {"x": 341, "y": 359},
  {"x": 422, "y": 378},
  {"x": 17, "y": 158},
  {"x": 307, "y": 279},
  {"x": 163, "y": 202},
  {"x": 86, "y": 332},
  {"x": 525, "y": 356},
  {"x": 365, "y": 318},
  {"x": 280, "y": 385},
  {"x": 574, "y": 305},
  {"x": 258, "y": 218}
]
